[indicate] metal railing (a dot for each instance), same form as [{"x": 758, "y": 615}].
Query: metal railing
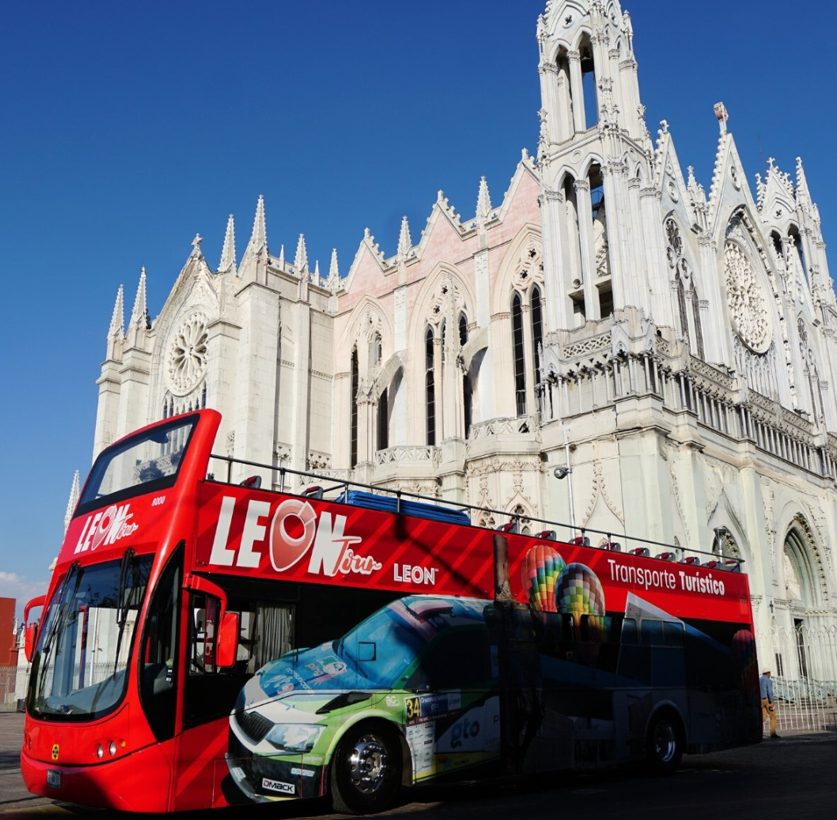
[
  {"x": 296, "y": 482},
  {"x": 805, "y": 677}
]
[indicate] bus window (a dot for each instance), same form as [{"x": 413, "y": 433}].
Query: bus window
[
  {"x": 673, "y": 633},
  {"x": 264, "y": 634},
  {"x": 81, "y": 661},
  {"x": 458, "y": 659},
  {"x": 652, "y": 633},
  {"x": 159, "y": 656},
  {"x": 271, "y": 634}
]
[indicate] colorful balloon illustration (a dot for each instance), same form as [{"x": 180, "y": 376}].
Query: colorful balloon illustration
[
  {"x": 744, "y": 659},
  {"x": 539, "y": 573},
  {"x": 578, "y": 592}
]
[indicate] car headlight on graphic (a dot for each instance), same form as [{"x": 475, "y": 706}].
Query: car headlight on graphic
[{"x": 294, "y": 738}]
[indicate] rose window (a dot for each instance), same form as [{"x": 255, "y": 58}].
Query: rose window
[
  {"x": 747, "y": 303},
  {"x": 187, "y": 355}
]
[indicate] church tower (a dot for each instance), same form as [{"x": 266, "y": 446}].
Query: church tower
[
  {"x": 602, "y": 236},
  {"x": 608, "y": 345}
]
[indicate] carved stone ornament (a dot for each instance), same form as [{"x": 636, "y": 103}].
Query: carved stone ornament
[
  {"x": 747, "y": 302},
  {"x": 187, "y": 356}
]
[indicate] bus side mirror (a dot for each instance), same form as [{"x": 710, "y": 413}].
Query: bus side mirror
[
  {"x": 31, "y": 637},
  {"x": 225, "y": 651},
  {"x": 31, "y": 629}
]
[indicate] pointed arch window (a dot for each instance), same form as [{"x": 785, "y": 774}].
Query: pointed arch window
[
  {"x": 376, "y": 351},
  {"x": 698, "y": 329},
  {"x": 429, "y": 387},
  {"x": 467, "y": 387},
  {"x": 353, "y": 436},
  {"x": 519, "y": 355},
  {"x": 383, "y": 420},
  {"x": 443, "y": 336},
  {"x": 688, "y": 303},
  {"x": 598, "y": 215},
  {"x": 796, "y": 239},
  {"x": 537, "y": 333},
  {"x": 564, "y": 120},
  {"x": 588, "y": 83},
  {"x": 778, "y": 249},
  {"x": 681, "y": 304}
]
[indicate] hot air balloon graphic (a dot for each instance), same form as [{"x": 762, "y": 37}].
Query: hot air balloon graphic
[
  {"x": 579, "y": 595},
  {"x": 539, "y": 574},
  {"x": 578, "y": 592}
]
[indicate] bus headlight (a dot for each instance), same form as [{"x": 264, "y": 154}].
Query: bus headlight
[
  {"x": 294, "y": 737},
  {"x": 100, "y": 752}
]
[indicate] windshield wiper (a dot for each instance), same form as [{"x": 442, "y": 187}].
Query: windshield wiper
[
  {"x": 121, "y": 603},
  {"x": 61, "y": 606}
]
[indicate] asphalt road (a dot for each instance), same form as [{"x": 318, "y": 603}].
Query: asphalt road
[{"x": 795, "y": 777}]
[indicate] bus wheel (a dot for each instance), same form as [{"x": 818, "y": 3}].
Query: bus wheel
[
  {"x": 664, "y": 744},
  {"x": 366, "y": 769}
]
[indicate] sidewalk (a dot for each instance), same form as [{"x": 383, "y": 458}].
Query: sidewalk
[{"x": 13, "y": 794}]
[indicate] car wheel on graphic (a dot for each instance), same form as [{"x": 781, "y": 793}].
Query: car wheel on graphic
[
  {"x": 365, "y": 769},
  {"x": 664, "y": 744}
]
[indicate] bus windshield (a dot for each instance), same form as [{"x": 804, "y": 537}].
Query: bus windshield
[
  {"x": 78, "y": 670},
  {"x": 146, "y": 462}
]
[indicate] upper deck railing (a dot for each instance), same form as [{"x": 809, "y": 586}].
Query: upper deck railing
[{"x": 307, "y": 484}]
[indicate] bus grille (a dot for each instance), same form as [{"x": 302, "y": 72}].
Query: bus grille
[{"x": 254, "y": 725}]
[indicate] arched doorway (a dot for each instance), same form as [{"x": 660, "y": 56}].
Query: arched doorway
[{"x": 803, "y": 634}]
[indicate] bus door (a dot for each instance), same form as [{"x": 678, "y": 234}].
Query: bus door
[
  {"x": 158, "y": 661},
  {"x": 210, "y": 690}
]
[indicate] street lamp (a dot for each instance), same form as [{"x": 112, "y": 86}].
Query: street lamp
[{"x": 566, "y": 472}]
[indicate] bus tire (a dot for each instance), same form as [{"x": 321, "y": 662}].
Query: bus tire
[
  {"x": 664, "y": 743},
  {"x": 366, "y": 769}
]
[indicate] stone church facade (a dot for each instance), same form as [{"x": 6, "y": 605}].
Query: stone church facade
[{"x": 675, "y": 348}]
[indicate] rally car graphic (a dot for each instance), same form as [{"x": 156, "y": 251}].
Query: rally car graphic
[{"x": 416, "y": 677}]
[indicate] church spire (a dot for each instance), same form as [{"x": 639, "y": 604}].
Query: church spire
[
  {"x": 71, "y": 503},
  {"x": 116, "y": 333},
  {"x": 333, "y": 271},
  {"x": 404, "y": 240},
  {"x": 139, "y": 324},
  {"x": 301, "y": 258},
  {"x": 483, "y": 201},
  {"x": 139, "y": 315},
  {"x": 255, "y": 256},
  {"x": 258, "y": 239},
  {"x": 227, "y": 263},
  {"x": 117, "y": 320},
  {"x": 803, "y": 195}
]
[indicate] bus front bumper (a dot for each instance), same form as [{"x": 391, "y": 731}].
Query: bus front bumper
[{"x": 125, "y": 784}]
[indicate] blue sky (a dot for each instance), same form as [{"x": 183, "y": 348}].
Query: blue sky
[{"x": 130, "y": 127}]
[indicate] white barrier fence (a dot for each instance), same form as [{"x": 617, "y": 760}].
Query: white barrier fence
[{"x": 805, "y": 678}]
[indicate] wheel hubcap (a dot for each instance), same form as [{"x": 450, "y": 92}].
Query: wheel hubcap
[
  {"x": 665, "y": 742},
  {"x": 368, "y": 764}
]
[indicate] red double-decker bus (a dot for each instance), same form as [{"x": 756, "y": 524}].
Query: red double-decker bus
[{"x": 205, "y": 643}]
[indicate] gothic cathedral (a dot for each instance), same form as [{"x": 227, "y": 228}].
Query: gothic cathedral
[{"x": 675, "y": 349}]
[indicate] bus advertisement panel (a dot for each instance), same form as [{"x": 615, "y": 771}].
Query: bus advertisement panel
[{"x": 276, "y": 537}]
